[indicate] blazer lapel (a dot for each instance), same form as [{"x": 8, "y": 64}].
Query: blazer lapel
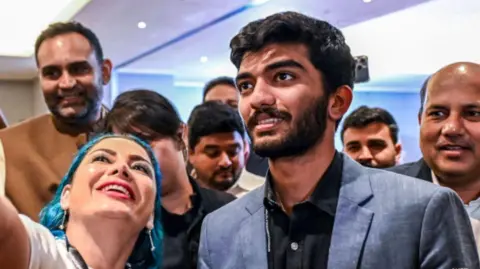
[
  {"x": 424, "y": 171},
  {"x": 352, "y": 220},
  {"x": 252, "y": 234},
  {"x": 419, "y": 170}
]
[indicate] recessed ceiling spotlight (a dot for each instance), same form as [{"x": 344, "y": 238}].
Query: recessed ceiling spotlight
[
  {"x": 367, "y": 1},
  {"x": 258, "y": 2},
  {"x": 141, "y": 25},
  {"x": 204, "y": 59}
]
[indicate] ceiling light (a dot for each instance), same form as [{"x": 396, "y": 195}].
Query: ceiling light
[
  {"x": 258, "y": 2},
  {"x": 142, "y": 25},
  {"x": 367, "y": 1},
  {"x": 203, "y": 59},
  {"x": 21, "y": 21}
]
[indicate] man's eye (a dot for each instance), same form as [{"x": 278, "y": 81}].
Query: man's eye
[
  {"x": 284, "y": 77},
  {"x": 245, "y": 86}
]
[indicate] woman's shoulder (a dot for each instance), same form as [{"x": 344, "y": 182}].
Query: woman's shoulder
[{"x": 45, "y": 250}]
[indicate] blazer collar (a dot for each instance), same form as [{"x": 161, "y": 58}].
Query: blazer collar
[
  {"x": 352, "y": 189},
  {"x": 420, "y": 170},
  {"x": 352, "y": 219}
]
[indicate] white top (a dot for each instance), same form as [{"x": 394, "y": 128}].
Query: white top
[
  {"x": 46, "y": 252},
  {"x": 246, "y": 183}
]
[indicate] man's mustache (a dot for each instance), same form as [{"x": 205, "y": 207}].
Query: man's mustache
[
  {"x": 271, "y": 112},
  {"x": 224, "y": 170},
  {"x": 367, "y": 164}
]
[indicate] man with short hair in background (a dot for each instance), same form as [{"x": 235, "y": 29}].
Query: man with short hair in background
[
  {"x": 223, "y": 89},
  {"x": 216, "y": 149},
  {"x": 37, "y": 152},
  {"x": 370, "y": 136}
]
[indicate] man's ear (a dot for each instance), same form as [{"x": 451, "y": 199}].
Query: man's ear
[
  {"x": 246, "y": 149},
  {"x": 106, "y": 71},
  {"x": 339, "y": 102},
  {"x": 65, "y": 198},
  {"x": 398, "y": 152},
  {"x": 182, "y": 137}
]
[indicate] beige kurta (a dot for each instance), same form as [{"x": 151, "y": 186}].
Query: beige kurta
[
  {"x": 36, "y": 155},
  {"x": 246, "y": 182}
]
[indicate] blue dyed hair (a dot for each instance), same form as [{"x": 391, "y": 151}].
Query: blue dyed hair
[{"x": 52, "y": 214}]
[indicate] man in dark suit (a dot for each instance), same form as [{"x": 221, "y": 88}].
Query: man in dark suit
[
  {"x": 450, "y": 135},
  {"x": 420, "y": 168},
  {"x": 318, "y": 207},
  {"x": 450, "y": 131}
]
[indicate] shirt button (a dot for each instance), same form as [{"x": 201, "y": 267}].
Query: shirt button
[{"x": 294, "y": 246}]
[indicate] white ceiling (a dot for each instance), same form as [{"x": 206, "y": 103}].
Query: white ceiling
[
  {"x": 20, "y": 23},
  {"x": 401, "y": 37},
  {"x": 116, "y": 26},
  {"x": 183, "y": 58},
  {"x": 419, "y": 40}
]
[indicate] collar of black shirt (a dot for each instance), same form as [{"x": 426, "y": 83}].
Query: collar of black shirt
[
  {"x": 325, "y": 195},
  {"x": 173, "y": 223},
  {"x": 195, "y": 198}
]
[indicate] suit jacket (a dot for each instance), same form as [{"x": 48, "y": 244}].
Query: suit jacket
[
  {"x": 383, "y": 220},
  {"x": 418, "y": 169},
  {"x": 256, "y": 165},
  {"x": 421, "y": 170}
]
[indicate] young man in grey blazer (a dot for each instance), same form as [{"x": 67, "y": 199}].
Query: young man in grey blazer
[{"x": 319, "y": 208}]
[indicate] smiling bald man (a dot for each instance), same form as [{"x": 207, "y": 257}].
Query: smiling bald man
[{"x": 450, "y": 135}]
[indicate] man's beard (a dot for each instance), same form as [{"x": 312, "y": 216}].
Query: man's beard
[
  {"x": 223, "y": 185},
  {"x": 306, "y": 132},
  {"x": 92, "y": 108}
]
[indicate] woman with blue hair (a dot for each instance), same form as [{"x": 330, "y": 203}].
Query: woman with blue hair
[{"x": 105, "y": 214}]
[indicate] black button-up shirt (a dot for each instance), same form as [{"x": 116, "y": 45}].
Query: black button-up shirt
[
  {"x": 176, "y": 242},
  {"x": 302, "y": 240},
  {"x": 182, "y": 232}
]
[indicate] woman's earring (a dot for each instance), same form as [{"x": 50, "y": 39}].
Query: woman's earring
[
  {"x": 62, "y": 225},
  {"x": 149, "y": 232}
]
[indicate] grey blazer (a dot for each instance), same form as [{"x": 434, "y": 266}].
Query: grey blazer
[{"x": 383, "y": 220}]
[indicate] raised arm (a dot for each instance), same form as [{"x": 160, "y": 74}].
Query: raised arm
[{"x": 14, "y": 242}]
